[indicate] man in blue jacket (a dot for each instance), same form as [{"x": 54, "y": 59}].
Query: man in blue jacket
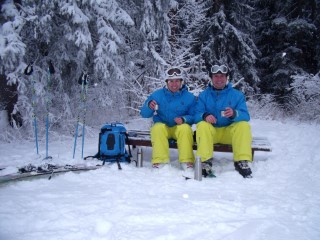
[
  {"x": 172, "y": 110},
  {"x": 222, "y": 117}
]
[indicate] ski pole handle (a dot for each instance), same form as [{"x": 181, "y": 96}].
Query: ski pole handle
[
  {"x": 51, "y": 67},
  {"x": 28, "y": 70},
  {"x": 83, "y": 79}
]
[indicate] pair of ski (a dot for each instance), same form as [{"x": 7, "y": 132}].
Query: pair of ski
[
  {"x": 45, "y": 170},
  {"x": 48, "y": 170},
  {"x": 28, "y": 71}
]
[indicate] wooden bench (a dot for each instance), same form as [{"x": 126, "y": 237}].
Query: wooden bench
[{"x": 142, "y": 138}]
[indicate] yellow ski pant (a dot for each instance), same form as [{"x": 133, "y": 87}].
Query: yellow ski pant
[
  {"x": 161, "y": 133},
  {"x": 237, "y": 134}
]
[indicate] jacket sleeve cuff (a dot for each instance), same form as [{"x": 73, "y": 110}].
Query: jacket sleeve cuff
[{"x": 235, "y": 114}]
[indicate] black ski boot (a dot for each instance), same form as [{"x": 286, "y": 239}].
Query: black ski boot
[
  {"x": 28, "y": 168},
  {"x": 207, "y": 168},
  {"x": 243, "y": 168}
]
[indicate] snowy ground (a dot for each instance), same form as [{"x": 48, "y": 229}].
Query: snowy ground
[{"x": 281, "y": 201}]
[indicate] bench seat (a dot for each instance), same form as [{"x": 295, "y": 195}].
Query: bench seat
[{"x": 142, "y": 138}]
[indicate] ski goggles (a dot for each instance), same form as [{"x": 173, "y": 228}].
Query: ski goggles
[
  {"x": 174, "y": 73},
  {"x": 222, "y": 68}
]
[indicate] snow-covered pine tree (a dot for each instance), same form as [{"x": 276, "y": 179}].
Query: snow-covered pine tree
[
  {"x": 155, "y": 27},
  {"x": 148, "y": 48},
  {"x": 58, "y": 32},
  {"x": 110, "y": 57},
  {"x": 11, "y": 45},
  {"x": 305, "y": 97},
  {"x": 225, "y": 38},
  {"x": 186, "y": 21},
  {"x": 125, "y": 46},
  {"x": 12, "y": 49},
  {"x": 76, "y": 36},
  {"x": 287, "y": 38}
]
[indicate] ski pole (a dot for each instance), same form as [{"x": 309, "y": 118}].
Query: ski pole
[
  {"x": 28, "y": 71},
  {"x": 75, "y": 139},
  {"x": 50, "y": 72},
  {"x": 81, "y": 81},
  {"x": 83, "y": 132},
  {"x": 36, "y": 133},
  {"x": 47, "y": 136},
  {"x": 84, "y": 111}
]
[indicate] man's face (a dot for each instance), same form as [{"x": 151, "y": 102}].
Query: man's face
[
  {"x": 174, "y": 85},
  {"x": 219, "y": 80}
]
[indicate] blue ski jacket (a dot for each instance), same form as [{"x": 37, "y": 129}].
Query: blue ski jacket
[
  {"x": 213, "y": 101},
  {"x": 171, "y": 105}
]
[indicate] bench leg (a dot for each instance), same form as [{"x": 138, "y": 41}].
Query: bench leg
[{"x": 252, "y": 154}]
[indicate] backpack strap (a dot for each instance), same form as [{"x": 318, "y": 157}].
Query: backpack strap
[
  {"x": 97, "y": 155},
  {"x": 127, "y": 142},
  {"x": 117, "y": 160},
  {"x": 94, "y": 156}
]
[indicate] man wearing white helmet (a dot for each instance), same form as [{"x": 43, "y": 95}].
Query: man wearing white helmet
[
  {"x": 172, "y": 110},
  {"x": 222, "y": 117}
]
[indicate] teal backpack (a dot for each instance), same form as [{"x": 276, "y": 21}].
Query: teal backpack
[{"x": 112, "y": 144}]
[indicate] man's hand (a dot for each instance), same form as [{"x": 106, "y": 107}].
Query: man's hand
[
  {"x": 179, "y": 120},
  {"x": 229, "y": 112},
  {"x": 153, "y": 104},
  {"x": 211, "y": 119}
]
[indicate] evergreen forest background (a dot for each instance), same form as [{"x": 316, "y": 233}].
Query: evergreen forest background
[{"x": 271, "y": 47}]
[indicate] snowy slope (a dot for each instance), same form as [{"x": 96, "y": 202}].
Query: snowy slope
[{"x": 281, "y": 201}]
